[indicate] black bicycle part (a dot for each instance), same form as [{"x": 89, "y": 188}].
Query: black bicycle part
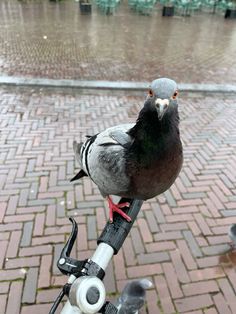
[
  {"x": 65, "y": 291},
  {"x": 68, "y": 265},
  {"x": 108, "y": 308},
  {"x": 114, "y": 234}
]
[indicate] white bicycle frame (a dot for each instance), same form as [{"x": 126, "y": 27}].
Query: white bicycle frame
[{"x": 77, "y": 297}]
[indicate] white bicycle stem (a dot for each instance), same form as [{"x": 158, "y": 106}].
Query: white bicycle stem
[{"x": 78, "y": 302}]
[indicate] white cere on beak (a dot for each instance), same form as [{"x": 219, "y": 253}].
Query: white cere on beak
[
  {"x": 162, "y": 105},
  {"x": 162, "y": 102}
]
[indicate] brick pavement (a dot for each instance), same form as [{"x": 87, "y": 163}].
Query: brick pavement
[
  {"x": 53, "y": 40},
  {"x": 180, "y": 238}
]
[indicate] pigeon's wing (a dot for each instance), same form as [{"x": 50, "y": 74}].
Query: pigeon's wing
[
  {"x": 103, "y": 159},
  {"x": 121, "y": 138},
  {"x": 116, "y": 136}
]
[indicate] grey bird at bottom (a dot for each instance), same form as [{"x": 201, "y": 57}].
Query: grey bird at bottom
[{"x": 140, "y": 160}]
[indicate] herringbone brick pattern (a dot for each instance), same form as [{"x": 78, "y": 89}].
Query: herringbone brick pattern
[{"x": 179, "y": 239}]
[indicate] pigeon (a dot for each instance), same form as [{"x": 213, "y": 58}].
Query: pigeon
[
  {"x": 133, "y": 296},
  {"x": 232, "y": 235},
  {"x": 139, "y": 160}
]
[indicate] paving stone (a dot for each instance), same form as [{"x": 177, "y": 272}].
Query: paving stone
[
  {"x": 193, "y": 303},
  {"x": 92, "y": 230},
  {"x": 153, "y": 258},
  {"x": 29, "y": 292},
  {"x": 27, "y": 234},
  {"x": 14, "y": 298},
  {"x": 192, "y": 244}
]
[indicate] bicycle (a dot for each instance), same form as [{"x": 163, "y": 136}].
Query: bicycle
[{"x": 85, "y": 289}]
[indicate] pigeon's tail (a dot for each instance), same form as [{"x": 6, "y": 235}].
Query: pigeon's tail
[{"x": 79, "y": 175}]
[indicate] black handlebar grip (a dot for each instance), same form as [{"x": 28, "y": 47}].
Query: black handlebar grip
[{"x": 114, "y": 234}]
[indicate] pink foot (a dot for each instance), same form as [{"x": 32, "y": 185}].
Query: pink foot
[{"x": 117, "y": 208}]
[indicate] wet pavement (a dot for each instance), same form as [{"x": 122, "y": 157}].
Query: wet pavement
[{"x": 53, "y": 40}]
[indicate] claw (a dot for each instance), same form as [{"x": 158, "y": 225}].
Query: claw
[{"x": 117, "y": 208}]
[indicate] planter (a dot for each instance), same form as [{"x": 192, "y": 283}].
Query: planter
[
  {"x": 230, "y": 13},
  {"x": 85, "y": 8},
  {"x": 168, "y": 11}
]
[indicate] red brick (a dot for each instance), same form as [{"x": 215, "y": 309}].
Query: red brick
[
  {"x": 211, "y": 207},
  {"x": 141, "y": 271},
  {"x": 190, "y": 202},
  {"x": 82, "y": 241},
  {"x": 30, "y": 209},
  {"x": 22, "y": 262},
  {"x": 101, "y": 218},
  {"x": 51, "y": 215},
  {"x": 35, "y": 250},
  {"x": 43, "y": 184},
  {"x": 18, "y": 218},
  {"x": 4, "y": 287},
  {"x": 129, "y": 254},
  {"x": 206, "y": 274},
  {"x": 144, "y": 230},
  {"x": 119, "y": 265},
  {"x": 179, "y": 218},
  {"x": 228, "y": 293},
  {"x": 211, "y": 311},
  {"x": 12, "y": 204},
  {"x": 202, "y": 224},
  {"x": 160, "y": 246},
  {"x": 218, "y": 204},
  {"x": 14, "y": 298},
  {"x": 223, "y": 187},
  {"x": 3, "y": 207},
  {"x": 3, "y": 302},
  {"x": 48, "y": 240},
  {"x": 37, "y": 308},
  {"x": 172, "y": 280},
  {"x": 179, "y": 266},
  {"x": 164, "y": 295},
  {"x": 221, "y": 304},
  {"x": 10, "y": 227},
  {"x": 11, "y": 274},
  {"x": 152, "y": 299},
  {"x": 201, "y": 287},
  {"x": 193, "y": 303},
  {"x": 3, "y": 248},
  {"x": 185, "y": 209},
  {"x": 208, "y": 261},
  {"x": 194, "y": 228},
  {"x": 186, "y": 254},
  {"x": 13, "y": 246},
  {"x": 46, "y": 296},
  {"x": 39, "y": 224}
]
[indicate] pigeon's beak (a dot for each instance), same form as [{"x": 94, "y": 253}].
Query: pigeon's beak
[{"x": 162, "y": 106}]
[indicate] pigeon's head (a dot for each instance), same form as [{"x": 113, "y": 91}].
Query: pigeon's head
[{"x": 163, "y": 94}]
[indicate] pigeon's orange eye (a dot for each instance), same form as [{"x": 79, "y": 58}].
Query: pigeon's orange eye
[
  {"x": 150, "y": 93},
  {"x": 175, "y": 94}
]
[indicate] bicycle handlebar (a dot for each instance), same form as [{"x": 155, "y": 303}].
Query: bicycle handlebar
[
  {"x": 114, "y": 234},
  {"x": 109, "y": 243}
]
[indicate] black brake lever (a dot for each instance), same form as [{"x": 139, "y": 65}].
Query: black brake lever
[{"x": 66, "y": 264}]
